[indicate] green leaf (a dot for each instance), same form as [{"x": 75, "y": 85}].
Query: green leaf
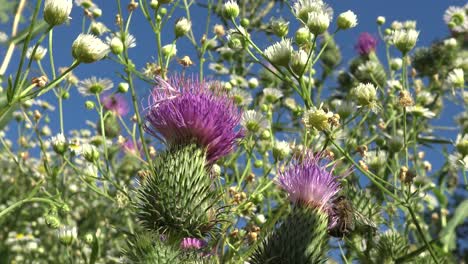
[
  {"x": 447, "y": 235},
  {"x": 95, "y": 250},
  {"x": 10, "y": 91}
]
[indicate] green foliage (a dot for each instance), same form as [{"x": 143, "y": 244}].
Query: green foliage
[
  {"x": 179, "y": 199},
  {"x": 301, "y": 238}
]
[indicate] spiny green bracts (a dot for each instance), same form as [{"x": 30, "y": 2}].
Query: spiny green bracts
[
  {"x": 179, "y": 201},
  {"x": 154, "y": 249},
  {"x": 301, "y": 238}
]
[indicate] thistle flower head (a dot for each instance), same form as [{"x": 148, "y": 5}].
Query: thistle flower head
[
  {"x": 280, "y": 52},
  {"x": 309, "y": 182},
  {"x": 366, "y": 43},
  {"x": 87, "y": 48},
  {"x": 456, "y": 19},
  {"x": 57, "y": 12},
  {"x": 190, "y": 243},
  {"x": 183, "y": 111},
  {"x": 115, "y": 103}
]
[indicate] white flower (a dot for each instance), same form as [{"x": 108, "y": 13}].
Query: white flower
[
  {"x": 90, "y": 171},
  {"x": 218, "y": 68},
  {"x": 253, "y": 121},
  {"x": 298, "y": 61},
  {"x": 420, "y": 111},
  {"x": 318, "y": 22},
  {"x": 94, "y": 85},
  {"x": 57, "y": 12},
  {"x": 3, "y": 37},
  {"x": 456, "y": 78},
  {"x": 281, "y": 149},
  {"x": 375, "y": 159},
  {"x": 405, "y": 39},
  {"x": 231, "y": 9},
  {"x": 317, "y": 119},
  {"x": 182, "y": 27},
  {"x": 67, "y": 234},
  {"x": 98, "y": 28},
  {"x": 365, "y": 94},
  {"x": 456, "y": 19},
  {"x": 38, "y": 55},
  {"x": 396, "y": 63},
  {"x": 271, "y": 95},
  {"x": 457, "y": 161},
  {"x": 347, "y": 20},
  {"x": 241, "y": 97},
  {"x": 59, "y": 143},
  {"x": 451, "y": 42},
  {"x": 302, "y": 8},
  {"x": 253, "y": 82},
  {"x": 127, "y": 39},
  {"x": 280, "y": 52},
  {"x": 87, "y": 48}
]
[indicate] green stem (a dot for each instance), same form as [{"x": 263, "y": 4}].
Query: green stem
[{"x": 27, "y": 200}]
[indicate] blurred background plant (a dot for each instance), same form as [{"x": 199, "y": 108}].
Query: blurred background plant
[{"x": 193, "y": 122}]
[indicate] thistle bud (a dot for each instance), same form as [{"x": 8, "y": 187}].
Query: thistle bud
[
  {"x": 182, "y": 27},
  {"x": 56, "y": 12},
  {"x": 87, "y": 48},
  {"x": 347, "y": 20},
  {"x": 230, "y": 9}
]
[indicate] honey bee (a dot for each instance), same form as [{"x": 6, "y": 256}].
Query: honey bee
[{"x": 347, "y": 218}]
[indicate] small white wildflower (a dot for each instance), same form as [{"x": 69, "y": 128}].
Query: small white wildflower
[
  {"x": 38, "y": 55},
  {"x": 409, "y": 24},
  {"x": 298, "y": 61},
  {"x": 59, "y": 143},
  {"x": 67, "y": 235},
  {"x": 450, "y": 43},
  {"x": 87, "y": 48},
  {"x": 396, "y": 64},
  {"x": 253, "y": 121},
  {"x": 280, "y": 27},
  {"x": 365, "y": 94},
  {"x": 90, "y": 171},
  {"x": 405, "y": 39},
  {"x": 456, "y": 19},
  {"x": 302, "y": 8},
  {"x": 375, "y": 159},
  {"x": 280, "y": 52},
  {"x": 456, "y": 78},
  {"x": 182, "y": 27},
  {"x": 395, "y": 84},
  {"x": 231, "y": 9},
  {"x": 241, "y": 97},
  {"x": 57, "y": 12},
  {"x": 317, "y": 119},
  {"x": 281, "y": 150},
  {"x": 271, "y": 95},
  {"x": 380, "y": 20},
  {"x": 98, "y": 28},
  {"x": 253, "y": 82},
  {"x": 94, "y": 86},
  {"x": 89, "y": 152},
  {"x": 318, "y": 22},
  {"x": 462, "y": 144},
  {"x": 457, "y": 161},
  {"x": 420, "y": 111},
  {"x": 347, "y": 20},
  {"x": 218, "y": 68},
  {"x": 120, "y": 40},
  {"x": 3, "y": 37}
]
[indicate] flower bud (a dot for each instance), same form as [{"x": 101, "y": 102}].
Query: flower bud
[
  {"x": 56, "y": 12},
  {"x": 280, "y": 27},
  {"x": 169, "y": 50},
  {"x": 90, "y": 153},
  {"x": 89, "y": 105},
  {"x": 123, "y": 87},
  {"x": 281, "y": 150},
  {"x": 89, "y": 238},
  {"x": 253, "y": 82},
  {"x": 365, "y": 94},
  {"x": 87, "y": 48},
  {"x": 67, "y": 235},
  {"x": 347, "y": 20},
  {"x": 182, "y": 27},
  {"x": 380, "y": 20},
  {"x": 230, "y": 9},
  {"x": 245, "y": 22},
  {"x": 258, "y": 164},
  {"x": 298, "y": 61},
  {"x": 52, "y": 221},
  {"x": 396, "y": 64},
  {"x": 116, "y": 45},
  {"x": 59, "y": 143},
  {"x": 303, "y": 36},
  {"x": 265, "y": 135}
]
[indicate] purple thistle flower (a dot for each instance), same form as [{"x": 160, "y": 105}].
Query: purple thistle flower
[
  {"x": 183, "y": 111},
  {"x": 115, "y": 103},
  {"x": 128, "y": 146},
  {"x": 189, "y": 243},
  {"x": 308, "y": 181},
  {"x": 366, "y": 43}
]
